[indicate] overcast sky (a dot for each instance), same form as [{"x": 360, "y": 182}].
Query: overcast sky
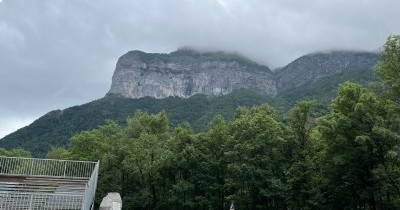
[{"x": 58, "y": 53}]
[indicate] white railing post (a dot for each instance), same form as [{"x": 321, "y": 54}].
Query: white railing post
[
  {"x": 65, "y": 168},
  {"x": 31, "y": 168},
  {"x": 30, "y": 201}
]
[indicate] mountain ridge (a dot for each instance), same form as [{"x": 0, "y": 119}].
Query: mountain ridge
[
  {"x": 56, "y": 127},
  {"x": 187, "y": 72},
  {"x": 317, "y": 65}
]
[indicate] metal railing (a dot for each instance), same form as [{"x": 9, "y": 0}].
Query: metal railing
[
  {"x": 29, "y": 183},
  {"x": 90, "y": 189},
  {"x": 45, "y": 167},
  {"x": 33, "y": 201}
]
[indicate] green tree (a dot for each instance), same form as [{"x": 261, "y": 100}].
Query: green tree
[
  {"x": 389, "y": 66},
  {"x": 182, "y": 163},
  {"x": 303, "y": 176},
  {"x": 15, "y": 153},
  {"x": 216, "y": 140},
  {"x": 256, "y": 160},
  {"x": 362, "y": 146},
  {"x": 56, "y": 152},
  {"x": 146, "y": 136},
  {"x": 105, "y": 143}
]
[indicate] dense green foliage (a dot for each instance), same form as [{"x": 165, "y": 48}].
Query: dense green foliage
[
  {"x": 362, "y": 145},
  {"x": 325, "y": 89},
  {"x": 57, "y": 127},
  {"x": 388, "y": 68},
  {"x": 15, "y": 153}
]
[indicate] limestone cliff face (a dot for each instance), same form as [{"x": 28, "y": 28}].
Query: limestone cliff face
[
  {"x": 314, "y": 66},
  {"x": 184, "y": 73}
]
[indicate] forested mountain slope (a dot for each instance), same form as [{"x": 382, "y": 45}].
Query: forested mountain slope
[{"x": 56, "y": 127}]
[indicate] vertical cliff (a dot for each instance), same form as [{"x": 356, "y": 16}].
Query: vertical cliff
[
  {"x": 315, "y": 66},
  {"x": 184, "y": 73}
]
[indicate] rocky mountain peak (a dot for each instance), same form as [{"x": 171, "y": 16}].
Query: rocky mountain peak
[
  {"x": 314, "y": 66},
  {"x": 186, "y": 72}
]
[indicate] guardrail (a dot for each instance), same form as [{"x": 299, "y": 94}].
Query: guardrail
[
  {"x": 90, "y": 190},
  {"x": 33, "y": 201},
  {"x": 46, "y": 167}
]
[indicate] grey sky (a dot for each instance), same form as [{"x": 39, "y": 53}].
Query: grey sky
[{"x": 58, "y": 53}]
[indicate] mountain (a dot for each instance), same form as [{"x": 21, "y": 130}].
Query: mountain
[
  {"x": 186, "y": 72},
  {"x": 138, "y": 83},
  {"x": 322, "y": 90},
  {"x": 315, "y": 66}
]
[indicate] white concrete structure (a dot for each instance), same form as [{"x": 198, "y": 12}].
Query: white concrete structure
[
  {"x": 30, "y": 184},
  {"x": 112, "y": 201}
]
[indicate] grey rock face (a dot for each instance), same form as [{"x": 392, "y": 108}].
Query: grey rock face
[
  {"x": 184, "y": 73},
  {"x": 314, "y": 66}
]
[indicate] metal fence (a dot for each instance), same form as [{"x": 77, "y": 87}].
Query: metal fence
[
  {"x": 46, "y": 167},
  {"x": 90, "y": 190},
  {"x": 30, "y": 184},
  {"x": 36, "y": 201}
]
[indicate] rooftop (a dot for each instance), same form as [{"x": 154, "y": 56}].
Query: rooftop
[{"x": 30, "y": 183}]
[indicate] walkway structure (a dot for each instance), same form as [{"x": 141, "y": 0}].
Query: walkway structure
[{"x": 45, "y": 184}]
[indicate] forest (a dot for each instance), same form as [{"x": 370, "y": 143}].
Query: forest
[{"x": 348, "y": 158}]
